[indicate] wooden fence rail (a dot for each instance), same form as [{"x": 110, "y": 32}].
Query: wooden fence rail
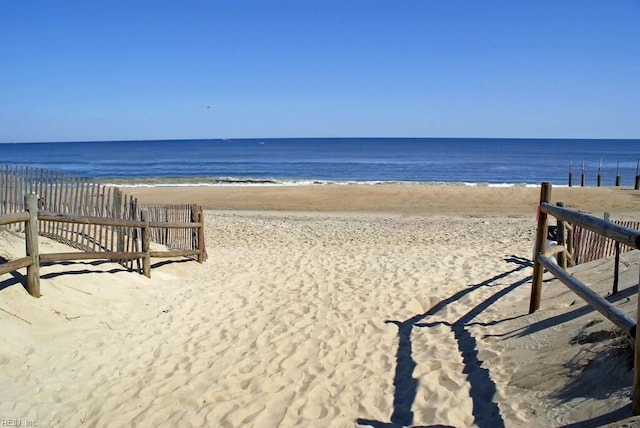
[
  {"x": 31, "y": 260},
  {"x": 542, "y": 260},
  {"x": 32, "y": 220}
]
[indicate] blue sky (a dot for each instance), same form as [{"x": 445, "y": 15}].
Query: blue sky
[{"x": 112, "y": 70}]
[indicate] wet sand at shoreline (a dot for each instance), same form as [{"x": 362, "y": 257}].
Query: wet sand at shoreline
[{"x": 406, "y": 199}]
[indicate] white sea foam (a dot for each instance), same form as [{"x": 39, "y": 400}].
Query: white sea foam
[{"x": 249, "y": 182}]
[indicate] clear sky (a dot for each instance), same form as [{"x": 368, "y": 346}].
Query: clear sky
[{"x": 78, "y": 70}]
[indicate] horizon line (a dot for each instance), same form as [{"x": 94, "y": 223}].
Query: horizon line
[{"x": 316, "y": 138}]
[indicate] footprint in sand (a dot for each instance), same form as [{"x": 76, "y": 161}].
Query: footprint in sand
[{"x": 421, "y": 304}]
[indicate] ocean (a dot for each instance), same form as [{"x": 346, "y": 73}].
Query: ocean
[{"x": 481, "y": 161}]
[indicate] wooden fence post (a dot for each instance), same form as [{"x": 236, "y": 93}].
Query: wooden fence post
[
  {"x": 570, "y": 174},
  {"x": 541, "y": 242},
  {"x": 562, "y": 240},
  {"x": 202, "y": 251},
  {"x": 616, "y": 266},
  {"x": 31, "y": 239},
  {"x": 602, "y": 240},
  {"x": 635, "y": 403},
  {"x": 616, "y": 269},
  {"x": 146, "y": 245},
  {"x": 117, "y": 213},
  {"x": 569, "y": 234}
]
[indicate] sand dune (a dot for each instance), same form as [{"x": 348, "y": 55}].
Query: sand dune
[{"x": 317, "y": 319}]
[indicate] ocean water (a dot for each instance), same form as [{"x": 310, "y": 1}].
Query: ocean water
[{"x": 336, "y": 160}]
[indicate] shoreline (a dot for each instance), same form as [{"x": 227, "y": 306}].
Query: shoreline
[
  {"x": 412, "y": 199},
  {"x": 161, "y": 181}
]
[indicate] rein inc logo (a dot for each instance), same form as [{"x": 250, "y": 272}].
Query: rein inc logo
[{"x": 18, "y": 422}]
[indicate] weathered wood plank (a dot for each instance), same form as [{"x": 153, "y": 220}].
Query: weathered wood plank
[
  {"x": 14, "y": 218},
  {"x": 31, "y": 241},
  {"x": 171, "y": 254},
  {"x": 76, "y": 219},
  {"x": 14, "y": 265},
  {"x": 540, "y": 244},
  {"x": 619, "y": 318},
  {"x": 98, "y": 255},
  {"x": 602, "y": 227}
]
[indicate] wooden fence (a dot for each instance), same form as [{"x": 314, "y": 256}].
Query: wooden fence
[
  {"x": 588, "y": 245},
  {"x": 542, "y": 260},
  {"x": 97, "y": 219},
  {"x": 63, "y": 199},
  {"x": 32, "y": 220}
]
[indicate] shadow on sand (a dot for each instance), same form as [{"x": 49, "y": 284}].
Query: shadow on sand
[
  {"x": 609, "y": 418},
  {"x": 19, "y": 278},
  {"x": 566, "y": 316},
  {"x": 486, "y": 412}
]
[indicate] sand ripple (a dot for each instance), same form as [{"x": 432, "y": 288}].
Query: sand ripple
[{"x": 295, "y": 320}]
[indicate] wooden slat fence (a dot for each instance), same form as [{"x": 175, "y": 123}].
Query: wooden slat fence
[
  {"x": 60, "y": 193},
  {"x": 172, "y": 238},
  {"x": 589, "y": 246}
]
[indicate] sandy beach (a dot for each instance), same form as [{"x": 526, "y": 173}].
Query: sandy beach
[
  {"x": 325, "y": 306},
  {"x": 419, "y": 199}
]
